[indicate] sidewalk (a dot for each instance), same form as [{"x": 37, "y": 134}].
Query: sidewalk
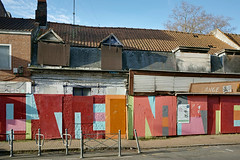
[
  {"x": 185, "y": 141},
  {"x": 181, "y": 141}
]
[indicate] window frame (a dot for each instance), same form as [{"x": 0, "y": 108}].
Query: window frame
[
  {"x": 82, "y": 88},
  {"x": 10, "y": 56}
]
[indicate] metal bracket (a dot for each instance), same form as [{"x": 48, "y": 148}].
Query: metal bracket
[
  {"x": 9, "y": 139},
  {"x": 39, "y": 136},
  {"x": 67, "y": 144}
]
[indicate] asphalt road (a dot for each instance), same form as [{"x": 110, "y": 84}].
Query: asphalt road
[{"x": 224, "y": 152}]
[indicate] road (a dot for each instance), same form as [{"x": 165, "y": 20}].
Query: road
[{"x": 223, "y": 152}]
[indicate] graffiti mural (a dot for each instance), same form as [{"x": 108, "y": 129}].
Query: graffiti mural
[
  {"x": 149, "y": 115},
  {"x": 25, "y": 114},
  {"x": 230, "y": 114},
  {"x": 155, "y": 116},
  {"x": 13, "y": 116},
  {"x": 236, "y": 116},
  {"x": 197, "y": 123},
  {"x": 214, "y": 115}
]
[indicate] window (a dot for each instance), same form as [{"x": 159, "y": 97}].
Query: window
[
  {"x": 5, "y": 56},
  {"x": 81, "y": 91}
]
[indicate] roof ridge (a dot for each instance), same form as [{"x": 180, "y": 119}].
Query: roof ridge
[
  {"x": 129, "y": 28},
  {"x": 17, "y": 18},
  {"x": 233, "y": 34}
]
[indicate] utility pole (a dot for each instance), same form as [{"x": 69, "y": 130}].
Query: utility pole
[{"x": 73, "y": 12}]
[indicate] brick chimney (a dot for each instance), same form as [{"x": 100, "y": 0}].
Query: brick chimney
[{"x": 41, "y": 13}]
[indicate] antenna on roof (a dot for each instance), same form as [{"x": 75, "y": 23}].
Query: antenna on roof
[{"x": 73, "y": 11}]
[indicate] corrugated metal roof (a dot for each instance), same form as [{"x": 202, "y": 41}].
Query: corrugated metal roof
[
  {"x": 17, "y": 24},
  {"x": 136, "y": 39}
]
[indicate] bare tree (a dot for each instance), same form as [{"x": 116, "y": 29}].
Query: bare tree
[{"x": 193, "y": 19}]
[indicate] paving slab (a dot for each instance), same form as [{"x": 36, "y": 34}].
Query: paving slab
[{"x": 181, "y": 141}]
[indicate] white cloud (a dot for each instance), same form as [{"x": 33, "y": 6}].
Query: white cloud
[
  {"x": 21, "y": 8},
  {"x": 26, "y": 9},
  {"x": 59, "y": 18}
]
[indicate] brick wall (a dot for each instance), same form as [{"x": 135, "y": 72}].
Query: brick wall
[{"x": 21, "y": 56}]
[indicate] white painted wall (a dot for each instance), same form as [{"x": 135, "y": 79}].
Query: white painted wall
[
  {"x": 193, "y": 62},
  {"x": 15, "y": 87},
  {"x": 63, "y": 84}
]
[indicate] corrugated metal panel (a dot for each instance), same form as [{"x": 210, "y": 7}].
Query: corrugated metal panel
[
  {"x": 164, "y": 83},
  {"x": 197, "y": 62},
  {"x": 182, "y": 83},
  {"x": 202, "y": 80},
  {"x": 144, "y": 83}
]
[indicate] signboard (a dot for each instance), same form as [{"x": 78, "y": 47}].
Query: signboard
[
  {"x": 183, "y": 113},
  {"x": 216, "y": 87}
]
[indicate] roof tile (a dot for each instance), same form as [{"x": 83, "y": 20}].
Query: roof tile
[
  {"x": 136, "y": 39},
  {"x": 235, "y": 38},
  {"x": 17, "y": 24}
]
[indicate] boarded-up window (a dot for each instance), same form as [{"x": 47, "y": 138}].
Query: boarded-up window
[
  {"x": 53, "y": 54},
  {"x": 5, "y": 57},
  {"x": 111, "y": 58}
]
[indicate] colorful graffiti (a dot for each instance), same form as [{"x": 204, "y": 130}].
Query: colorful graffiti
[
  {"x": 197, "y": 123},
  {"x": 236, "y": 116},
  {"x": 229, "y": 114},
  {"x": 214, "y": 115},
  {"x": 149, "y": 115},
  {"x": 12, "y": 116},
  {"x": 53, "y": 113},
  {"x": 154, "y": 116}
]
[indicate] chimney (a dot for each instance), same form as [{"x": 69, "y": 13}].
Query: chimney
[{"x": 41, "y": 13}]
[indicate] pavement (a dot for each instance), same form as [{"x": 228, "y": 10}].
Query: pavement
[{"x": 169, "y": 142}]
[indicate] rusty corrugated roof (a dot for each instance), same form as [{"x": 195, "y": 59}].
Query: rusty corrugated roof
[
  {"x": 136, "y": 39},
  {"x": 234, "y": 37},
  {"x": 16, "y": 24}
]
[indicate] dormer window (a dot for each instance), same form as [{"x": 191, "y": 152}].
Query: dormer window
[
  {"x": 50, "y": 36},
  {"x": 52, "y": 50},
  {"x": 111, "y": 40},
  {"x": 192, "y": 59},
  {"x": 230, "y": 60},
  {"x": 111, "y": 53}
]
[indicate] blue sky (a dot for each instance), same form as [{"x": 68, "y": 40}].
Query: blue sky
[{"x": 151, "y": 14}]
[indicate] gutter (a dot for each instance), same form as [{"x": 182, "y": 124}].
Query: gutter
[
  {"x": 77, "y": 69},
  {"x": 16, "y": 32}
]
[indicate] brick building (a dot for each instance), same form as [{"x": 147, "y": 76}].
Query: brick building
[{"x": 16, "y": 36}]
